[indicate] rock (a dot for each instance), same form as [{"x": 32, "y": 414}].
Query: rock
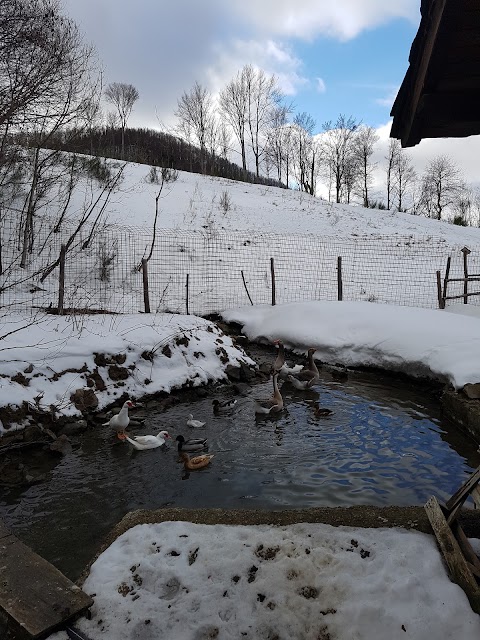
[
  {"x": 241, "y": 388},
  {"x": 234, "y": 373},
  {"x": 101, "y": 360},
  {"x": 117, "y": 373},
  {"x": 72, "y": 428},
  {"x": 241, "y": 340},
  {"x": 29, "y": 369},
  {"x": 84, "y": 399},
  {"x": 61, "y": 446},
  {"x": 247, "y": 372},
  {"x": 31, "y": 433},
  {"x": 167, "y": 352},
  {"x": 120, "y": 358},
  {"x": 19, "y": 378},
  {"x": 265, "y": 368},
  {"x": 472, "y": 391},
  {"x": 97, "y": 381}
]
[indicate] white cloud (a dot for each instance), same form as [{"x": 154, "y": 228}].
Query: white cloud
[
  {"x": 343, "y": 19},
  {"x": 321, "y": 88},
  {"x": 271, "y": 56}
]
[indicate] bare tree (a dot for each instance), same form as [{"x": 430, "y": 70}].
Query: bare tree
[
  {"x": 122, "y": 96},
  {"x": 337, "y": 151},
  {"x": 306, "y": 152},
  {"x": 276, "y": 147},
  {"x": 441, "y": 186},
  {"x": 404, "y": 177},
  {"x": 393, "y": 153},
  {"x": 234, "y": 108},
  {"x": 263, "y": 95},
  {"x": 364, "y": 143},
  {"x": 197, "y": 119}
]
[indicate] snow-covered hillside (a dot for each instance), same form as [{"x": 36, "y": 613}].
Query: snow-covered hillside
[{"x": 193, "y": 201}]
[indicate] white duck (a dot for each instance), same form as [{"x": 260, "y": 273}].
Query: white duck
[
  {"x": 307, "y": 377},
  {"x": 281, "y": 366},
  {"x": 148, "y": 442},
  {"x": 195, "y": 424},
  {"x": 273, "y": 404},
  {"x": 120, "y": 421}
]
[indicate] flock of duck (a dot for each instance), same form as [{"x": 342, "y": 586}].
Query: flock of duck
[{"x": 300, "y": 377}]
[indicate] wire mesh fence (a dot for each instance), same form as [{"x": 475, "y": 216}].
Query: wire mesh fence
[{"x": 224, "y": 269}]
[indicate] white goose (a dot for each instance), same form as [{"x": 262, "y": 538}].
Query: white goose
[
  {"x": 306, "y": 378},
  {"x": 121, "y": 420},
  {"x": 148, "y": 442},
  {"x": 281, "y": 366},
  {"x": 273, "y": 404}
]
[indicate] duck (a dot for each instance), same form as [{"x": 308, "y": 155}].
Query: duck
[
  {"x": 273, "y": 404},
  {"x": 148, "y": 442},
  {"x": 194, "y": 444},
  {"x": 281, "y": 366},
  {"x": 321, "y": 412},
  {"x": 198, "y": 462},
  {"x": 223, "y": 407},
  {"x": 306, "y": 378},
  {"x": 195, "y": 424},
  {"x": 121, "y": 420}
]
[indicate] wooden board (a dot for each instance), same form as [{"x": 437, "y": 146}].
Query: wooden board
[
  {"x": 464, "y": 490},
  {"x": 456, "y": 563},
  {"x": 34, "y": 595}
]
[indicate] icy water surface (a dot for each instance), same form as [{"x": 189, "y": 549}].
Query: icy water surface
[{"x": 384, "y": 444}]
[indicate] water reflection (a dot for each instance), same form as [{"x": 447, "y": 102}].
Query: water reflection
[{"x": 383, "y": 444}]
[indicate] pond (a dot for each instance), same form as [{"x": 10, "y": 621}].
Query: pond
[{"x": 384, "y": 444}]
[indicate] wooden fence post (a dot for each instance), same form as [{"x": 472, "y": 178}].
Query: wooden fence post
[
  {"x": 272, "y": 272},
  {"x": 186, "y": 293},
  {"x": 339, "y": 278},
  {"x": 245, "y": 285},
  {"x": 146, "y": 297},
  {"x": 445, "y": 280},
  {"x": 61, "y": 280},
  {"x": 441, "y": 300},
  {"x": 465, "y": 252}
]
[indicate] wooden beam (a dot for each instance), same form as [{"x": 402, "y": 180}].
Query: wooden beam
[
  {"x": 451, "y": 107},
  {"x": 456, "y": 563},
  {"x": 34, "y": 596},
  {"x": 420, "y": 67},
  {"x": 464, "y": 490}
]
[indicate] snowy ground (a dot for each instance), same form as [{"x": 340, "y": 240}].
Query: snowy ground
[
  {"x": 183, "y": 581},
  {"x": 55, "y": 356},
  {"x": 194, "y": 201},
  {"x": 423, "y": 342},
  {"x": 51, "y": 353}
]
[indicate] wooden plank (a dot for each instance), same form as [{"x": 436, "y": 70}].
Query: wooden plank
[
  {"x": 456, "y": 563},
  {"x": 475, "y": 494},
  {"x": 34, "y": 595},
  {"x": 466, "y": 548},
  {"x": 465, "y": 489}
]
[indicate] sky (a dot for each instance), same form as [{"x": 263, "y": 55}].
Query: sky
[{"x": 330, "y": 57}]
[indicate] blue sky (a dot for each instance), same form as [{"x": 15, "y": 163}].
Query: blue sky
[{"x": 361, "y": 76}]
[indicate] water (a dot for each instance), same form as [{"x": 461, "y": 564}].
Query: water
[{"x": 385, "y": 444}]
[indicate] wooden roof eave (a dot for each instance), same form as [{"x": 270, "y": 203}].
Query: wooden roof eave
[{"x": 406, "y": 107}]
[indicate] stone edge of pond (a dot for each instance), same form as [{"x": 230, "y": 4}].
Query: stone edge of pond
[{"x": 360, "y": 516}]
